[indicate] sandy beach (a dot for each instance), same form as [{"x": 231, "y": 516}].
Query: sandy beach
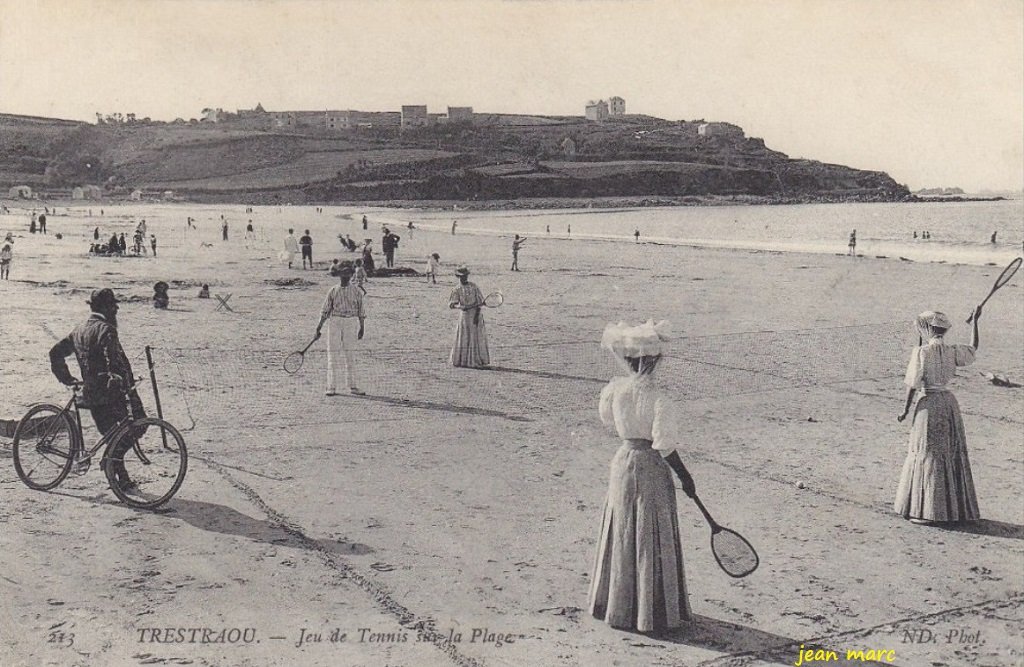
[{"x": 450, "y": 516}]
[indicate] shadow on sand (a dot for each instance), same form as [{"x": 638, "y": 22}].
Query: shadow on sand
[
  {"x": 547, "y": 374},
  {"x": 990, "y": 527}
]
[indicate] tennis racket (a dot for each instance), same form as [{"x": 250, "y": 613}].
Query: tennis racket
[
  {"x": 293, "y": 362},
  {"x": 733, "y": 553},
  {"x": 1003, "y": 278},
  {"x": 494, "y": 299}
]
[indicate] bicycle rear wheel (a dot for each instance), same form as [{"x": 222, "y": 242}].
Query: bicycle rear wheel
[
  {"x": 44, "y": 443},
  {"x": 153, "y": 455}
]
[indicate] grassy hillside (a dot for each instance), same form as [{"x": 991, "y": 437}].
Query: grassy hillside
[{"x": 497, "y": 156}]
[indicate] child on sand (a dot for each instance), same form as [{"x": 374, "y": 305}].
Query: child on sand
[
  {"x": 204, "y": 292},
  {"x": 160, "y": 297},
  {"x": 6, "y": 254},
  {"x": 360, "y": 276},
  {"x": 433, "y": 266}
]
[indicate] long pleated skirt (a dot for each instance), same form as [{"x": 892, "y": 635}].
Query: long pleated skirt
[
  {"x": 638, "y": 581},
  {"x": 936, "y": 483},
  {"x": 470, "y": 347}
]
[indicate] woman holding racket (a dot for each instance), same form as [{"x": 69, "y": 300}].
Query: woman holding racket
[
  {"x": 470, "y": 349},
  {"x": 638, "y": 582},
  {"x": 936, "y": 484}
]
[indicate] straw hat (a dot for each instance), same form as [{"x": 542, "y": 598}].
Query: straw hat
[
  {"x": 644, "y": 340},
  {"x": 462, "y": 271},
  {"x": 933, "y": 319}
]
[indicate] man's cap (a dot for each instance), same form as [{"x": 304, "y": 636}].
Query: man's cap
[{"x": 102, "y": 297}]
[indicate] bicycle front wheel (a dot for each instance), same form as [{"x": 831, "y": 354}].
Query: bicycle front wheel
[
  {"x": 146, "y": 463},
  {"x": 44, "y": 443}
]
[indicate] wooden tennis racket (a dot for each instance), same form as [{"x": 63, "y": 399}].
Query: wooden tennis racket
[
  {"x": 494, "y": 299},
  {"x": 1003, "y": 278},
  {"x": 733, "y": 553},
  {"x": 293, "y": 362}
]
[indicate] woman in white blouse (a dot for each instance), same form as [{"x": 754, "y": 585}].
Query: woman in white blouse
[
  {"x": 638, "y": 581},
  {"x": 936, "y": 484}
]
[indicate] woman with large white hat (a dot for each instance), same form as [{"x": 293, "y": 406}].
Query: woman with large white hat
[
  {"x": 470, "y": 348},
  {"x": 936, "y": 484},
  {"x": 638, "y": 581}
]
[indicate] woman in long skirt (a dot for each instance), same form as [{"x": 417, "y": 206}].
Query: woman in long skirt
[
  {"x": 638, "y": 582},
  {"x": 936, "y": 484},
  {"x": 470, "y": 349}
]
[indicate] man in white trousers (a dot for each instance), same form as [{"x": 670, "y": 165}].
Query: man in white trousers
[{"x": 345, "y": 316}]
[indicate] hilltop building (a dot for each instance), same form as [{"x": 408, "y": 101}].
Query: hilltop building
[
  {"x": 460, "y": 114},
  {"x": 212, "y": 115},
  {"x": 719, "y": 130},
  {"x": 597, "y": 111},
  {"x": 415, "y": 115},
  {"x": 338, "y": 120},
  {"x": 616, "y": 106}
]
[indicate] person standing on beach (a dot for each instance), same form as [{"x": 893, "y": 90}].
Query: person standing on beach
[
  {"x": 433, "y": 266},
  {"x": 568, "y": 230},
  {"x": 291, "y": 247},
  {"x": 852, "y": 251},
  {"x": 470, "y": 349},
  {"x": 96, "y": 234},
  {"x": 359, "y": 278},
  {"x": 224, "y": 227},
  {"x": 368, "y": 264},
  {"x": 250, "y": 234},
  {"x": 936, "y": 485},
  {"x": 549, "y": 229},
  {"x": 32, "y": 225},
  {"x": 152, "y": 242},
  {"x": 306, "y": 243},
  {"x": 636, "y": 236},
  {"x": 390, "y": 245},
  {"x": 6, "y": 255},
  {"x": 517, "y": 243},
  {"x": 366, "y": 223},
  {"x": 346, "y": 318},
  {"x": 454, "y": 225},
  {"x": 42, "y": 223},
  {"x": 107, "y": 376},
  {"x": 638, "y": 583},
  {"x": 994, "y": 237},
  {"x": 122, "y": 245}
]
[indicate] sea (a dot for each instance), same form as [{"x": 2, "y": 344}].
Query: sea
[{"x": 959, "y": 232}]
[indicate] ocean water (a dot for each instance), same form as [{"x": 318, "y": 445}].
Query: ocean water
[{"x": 960, "y": 231}]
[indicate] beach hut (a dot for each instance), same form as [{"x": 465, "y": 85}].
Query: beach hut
[
  {"x": 20, "y": 192},
  {"x": 136, "y": 195},
  {"x": 77, "y": 193},
  {"x": 92, "y": 191},
  {"x": 168, "y": 194}
]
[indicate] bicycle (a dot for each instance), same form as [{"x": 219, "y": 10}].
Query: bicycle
[{"x": 48, "y": 443}]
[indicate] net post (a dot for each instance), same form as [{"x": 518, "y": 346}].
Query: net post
[{"x": 156, "y": 390}]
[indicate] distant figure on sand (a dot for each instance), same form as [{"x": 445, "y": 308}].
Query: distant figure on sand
[
  {"x": 96, "y": 234},
  {"x": 636, "y": 236},
  {"x": 306, "y": 243},
  {"x": 366, "y": 223},
  {"x": 994, "y": 237},
  {"x": 936, "y": 484},
  {"x": 852, "y": 245},
  {"x": 638, "y": 583},
  {"x": 160, "y": 297},
  {"x": 204, "y": 292},
  {"x": 455, "y": 224},
  {"x": 42, "y": 223},
  {"x": 224, "y": 228},
  {"x": 517, "y": 243},
  {"x": 152, "y": 243},
  {"x": 568, "y": 230},
  {"x": 291, "y": 247},
  {"x": 368, "y": 262},
  {"x": 250, "y": 233},
  {"x": 433, "y": 266},
  {"x": 359, "y": 277},
  {"x": 6, "y": 255},
  {"x": 470, "y": 349},
  {"x": 122, "y": 245},
  {"x": 390, "y": 244},
  {"x": 346, "y": 318}
]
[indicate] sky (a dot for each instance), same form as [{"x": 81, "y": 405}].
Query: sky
[{"x": 931, "y": 92}]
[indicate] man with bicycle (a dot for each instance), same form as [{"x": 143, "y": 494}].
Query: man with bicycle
[{"x": 106, "y": 373}]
